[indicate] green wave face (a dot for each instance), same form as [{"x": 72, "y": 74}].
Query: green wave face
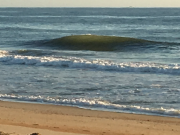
[{"x": 95, "y": 42}]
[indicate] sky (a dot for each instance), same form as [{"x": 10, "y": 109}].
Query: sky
[{"x": 89, "y": 3}]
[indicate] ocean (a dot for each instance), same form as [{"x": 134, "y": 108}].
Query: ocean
[{"x": 132, "y": 77}]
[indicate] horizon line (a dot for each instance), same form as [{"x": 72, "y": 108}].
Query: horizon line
[{"x": 79, "y": 7}]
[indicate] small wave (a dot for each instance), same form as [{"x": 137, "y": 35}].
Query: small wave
[
  {"x": 96, "y": 42},
  {"x": 98, "y": 64},
  {"x": 93, "y": 104}
]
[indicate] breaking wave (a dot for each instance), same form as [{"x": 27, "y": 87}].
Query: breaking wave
[
  {"x": 96, "y": 42},
  {"x": 99, "y": 43},
  {"x": 97, "y": 64}
]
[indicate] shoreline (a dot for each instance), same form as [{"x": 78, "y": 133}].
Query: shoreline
[
  {"x": 96, "y": 109},
  {"x": 77, "y": 121}
]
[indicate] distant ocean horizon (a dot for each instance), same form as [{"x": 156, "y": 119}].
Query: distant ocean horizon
[{"x": 139, "y": 75}]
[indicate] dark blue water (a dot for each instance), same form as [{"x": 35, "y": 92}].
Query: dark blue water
[{"x": 139, "y": 79}]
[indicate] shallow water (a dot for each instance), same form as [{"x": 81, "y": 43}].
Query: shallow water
[{"x": 136, "y": 79}]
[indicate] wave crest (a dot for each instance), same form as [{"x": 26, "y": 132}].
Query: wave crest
[{"x": 95, "y": 42}]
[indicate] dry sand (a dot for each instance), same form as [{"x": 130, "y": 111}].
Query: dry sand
[{"x": 26, "y": 118}]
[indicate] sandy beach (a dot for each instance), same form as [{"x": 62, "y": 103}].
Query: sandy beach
[{"x": 26, "y": 118}]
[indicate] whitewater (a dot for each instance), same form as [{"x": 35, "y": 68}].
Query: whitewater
[{"x": 111, "y": 59}]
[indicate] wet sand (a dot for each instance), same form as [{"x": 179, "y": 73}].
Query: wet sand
[{"x": 26, "y": 118}]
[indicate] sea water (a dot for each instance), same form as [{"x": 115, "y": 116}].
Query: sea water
[{"x": 141, "y": 78}]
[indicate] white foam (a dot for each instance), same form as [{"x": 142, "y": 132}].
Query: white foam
[
  {"x": 2, "y": 52},
  {"x": 74, "y": 62},
  {"x": 96, "y": 104}
]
